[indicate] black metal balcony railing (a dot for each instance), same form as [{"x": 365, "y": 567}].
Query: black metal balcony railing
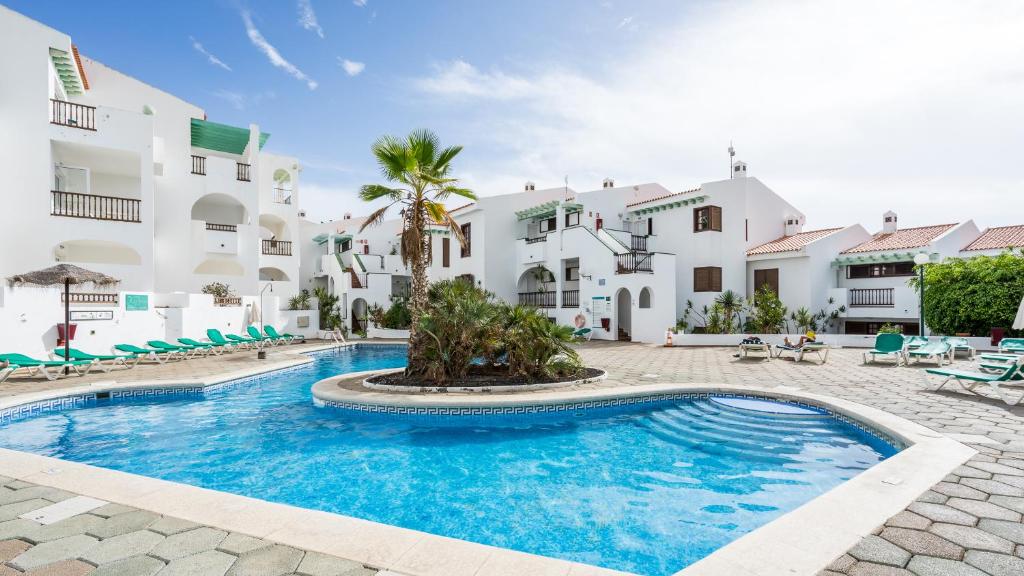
[
  {"x": 243, "y": 172},
  {"x": 871, "y": 298},
  {"x": 277, "y": 248},
  {"x": 74, "y": 115},
  {"x": 75, "y": 205},
  {"x": 638, "y": 243},
  {"x": 570, "y": 298},
  {"x": 222, "y": 227},
  {"x": 93, "y": 298},
  {"x": 538, "y": 299},
  {"x": 282, "y": 195},
  {"x": 537, "y": 239},
  {"x": 632, "y": 263},
  {"x": 199, "y": 165},
  {"x": 227, "y": 300}
]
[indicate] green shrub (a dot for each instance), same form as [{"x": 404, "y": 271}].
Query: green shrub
[
  {"x": 890, "y": 328},
  {"x": 300, "y": 301},
  {"x": 767, "y": 313}
]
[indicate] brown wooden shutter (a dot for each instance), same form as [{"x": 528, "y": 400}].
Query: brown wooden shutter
[
  {"x": 716, "y": 279},
  {"x": 446, "y": 248},
  {"x": 716, "y": 218},
  {"x": 700, "y": 280},
  {"x": 769, "y": 276}
]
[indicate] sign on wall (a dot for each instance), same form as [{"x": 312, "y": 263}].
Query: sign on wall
[
  {"x": 89, "y": 315},
  {"x": 601, "y": 307},
  {"x": 136, "y": 302}
]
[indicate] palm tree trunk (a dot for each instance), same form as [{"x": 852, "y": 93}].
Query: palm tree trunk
[{"x": 419, "y": 293}]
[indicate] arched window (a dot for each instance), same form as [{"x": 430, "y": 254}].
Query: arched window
[{"x": 645, "y": 298}]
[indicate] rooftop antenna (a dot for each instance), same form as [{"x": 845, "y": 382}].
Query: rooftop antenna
[
  {"x": 732, "y": 154},
  {"x": 567, "y": 186}
]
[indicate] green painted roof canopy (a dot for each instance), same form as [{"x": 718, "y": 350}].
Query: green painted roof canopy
[
  {"x": 875, "y": 258},
  {"x": 221, "y": 137},
  {"x": 67, "y": 69},
  {"x": 545, "y": 210},
  {"x": 668, "y": 206}
]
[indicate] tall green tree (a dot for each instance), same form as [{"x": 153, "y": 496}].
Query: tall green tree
[{"x": 419, "y": 179}]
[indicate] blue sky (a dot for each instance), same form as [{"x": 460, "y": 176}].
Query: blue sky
[{"x": 846, "y": 110}]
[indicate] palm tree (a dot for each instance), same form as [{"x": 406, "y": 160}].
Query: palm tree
[
  {"x": 418, "y": 172},
  {"x": 732, "y": 304}
]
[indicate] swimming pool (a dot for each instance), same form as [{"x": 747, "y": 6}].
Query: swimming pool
[{"x": 643, "y": 489}]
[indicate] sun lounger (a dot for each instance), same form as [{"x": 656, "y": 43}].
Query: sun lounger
[
  {"x": 1011, "y": 345},
  {"x": 756, "y": 348},
  {"x": 186, "y": 350},
  {"x": 820, "y": 349},
  {"x": 273, "y": 333},
  {"x": 888, "y": 346},
  {"x": 242, "y": 340},
  {"x": 960, "y": 344},
  {"x": 44, "y": 366},
  {"x": 209, "y": 346},
  {"x": 583, "y": 333},
  {"x": 6, "y": 371},
  {"x": 254, "y": 333},
  {"x": 914, "y": 342},
  {"x": 970, "y": 380},
  {"x": 106, "y": 362},
  {"x": 934, "y": 350},
  {"x": 216, "y": 337},
  {"x": 152, "y": 353}
]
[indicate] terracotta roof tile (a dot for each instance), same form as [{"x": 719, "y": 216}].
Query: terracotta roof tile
[
  {"x": 901, "y": 239},
  {"x": 665, "y": 197},
  {"x": 81, "y": 70},
  {"x": 791, "y": 243},
  {"x": 999, "y": 238}
]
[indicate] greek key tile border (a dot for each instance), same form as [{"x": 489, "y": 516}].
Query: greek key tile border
[
  {"x": 51, "y": 405},
  {"x": 484, "y": 411}
]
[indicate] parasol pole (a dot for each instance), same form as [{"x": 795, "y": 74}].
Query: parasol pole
[{"x": 67, "y": 323}]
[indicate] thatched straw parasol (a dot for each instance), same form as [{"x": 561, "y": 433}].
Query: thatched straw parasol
[{"x": 66, "y": 274}]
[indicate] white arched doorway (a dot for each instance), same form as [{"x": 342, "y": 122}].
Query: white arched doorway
[
  {"x": 359, "y": 313},
  {"x": 623, "y": 314}
]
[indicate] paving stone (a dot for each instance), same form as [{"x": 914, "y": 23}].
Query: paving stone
[
  {"x": 18, "y": 484},
  {"x": 969, "y": 471},
  {"x": 5, "y": 480},
  {"x": 168, "y": 526},
  {"x": 125, "y": 523},
  {"x": 992, "y": 487},
  {"x": 239, "y": 544},
  {"x": 8, "y": 571},
  {"x": 47, "y": 553},
  {"x": 995, "y": 564},
  {"x": 842, "y": 564},
  {"x": 112, "y": 509},
  {"x": 134, "y": 566},
  {"x": 880, "y": 551},
  {"x": 62, "y": 568},
  {"x": 317, "y": 564},
  {"x": 123, "y": 546},
  {"x": 929, "y": 566},
  {"x": 996, "y": 468},
  {"x": 942, "y": 513},
  {"x": 12, "y": 511},
  {"x": 276, "y": 560},
  {"x": 926, "y": 543},
  {"x": 869, "y": 569},
  {"x": 932, "y": 496},
  {"x": 188, "y": 543},
  {"x": 1012, "y": 531},
  {"x": 1017, "y": 481},
  {"x": 11, "y": 548},
  {"x": 1008, "y": 502},
  {"x": 907, "y": 519},
  {"x": 80, "y": 524},
  {"x": 972, "y": 538},
  {"x": 209, "y": 563},
  {"x": 33, "y": 492},
  {"x": 17, "y": 528},
  {"x": 959, "y": 491},
  {"x": 984, "y": 509}
]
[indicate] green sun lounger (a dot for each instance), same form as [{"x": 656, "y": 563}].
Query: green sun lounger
[
  {"x": 185, "y": 349},
  {"x": 215, "y": 337},
  {"x": 1012, "y": 345},
  {"x": 914, "y": 342},
  {"x": 970, "y": 380},
  {"x": 210, "y": 347},
  {"x": 106, "y": 362},
  {"x": 959, "y": 344},
  {"x": 273, "y": 333},
  {"x": 888, "y": 346},
  {"x": 234, "y": 339},
  {"x": 157, "y": 354},
  {"x": 934, "y": 350},
  {"x": 254, "y": 333},
  {"x": 7, "y": 370},
  {"x": 44, "y": 366}
]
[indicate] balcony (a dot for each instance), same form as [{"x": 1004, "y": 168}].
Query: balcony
[
  {"x": 76, "y": 205},
  {"x": 73, "y": 115},
  {"x": 570, "y": 298},
  {"x": 537, "y": 239},
  {"x": 871, "y": 298},
  {"x": 633, "y": 262},
  {"x": 242, "y": 172},
  {"x": 199, "y": 165},
  {"x": 282, "y": 195},
  {"x": 538, "y": 299},
  {"x": 638, "y": 243},
  {"x": 532, "y": 250},
  {"x": 104, "y": 298},
  {"x": 277, "y": 248},
  {"x": 222, "y": 227}
]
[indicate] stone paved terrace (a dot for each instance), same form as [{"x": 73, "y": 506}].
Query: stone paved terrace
[{"x": 970, "y": 524}]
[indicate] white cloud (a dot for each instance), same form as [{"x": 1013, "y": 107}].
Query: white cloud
[
  {"x": 627, "y": 23},
  {"x": 272, "y": 54},
  {"x": 845, "y": 111},
  {"x": 359, "y": 3},
  {"x": 240, "y": 101},
  {"x": 209, "y": 57},
  {"x": 351, "y": 68},
  {"x": 307, "y": 18}
]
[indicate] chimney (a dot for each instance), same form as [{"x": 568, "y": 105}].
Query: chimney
[
  {"x": 889, "y": 222},
  {"x": 530, "y": 186},
  {"x": 347, "y": 216},
  {"x": 739, "y": 169},
  {"x": 794, "y": 225},
  {"x": 608, "y": 183}
]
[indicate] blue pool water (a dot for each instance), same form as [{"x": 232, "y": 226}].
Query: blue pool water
[{"x": 642, "y": 489}]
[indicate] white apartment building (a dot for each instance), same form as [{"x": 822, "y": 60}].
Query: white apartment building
[{"x": 114, "y": 175}]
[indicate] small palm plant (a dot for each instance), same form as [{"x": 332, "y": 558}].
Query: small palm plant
[
  {"x": 731, "y": 305},
  {"x": 418, "y": 172},
  {"x": 803, "y": 319}
]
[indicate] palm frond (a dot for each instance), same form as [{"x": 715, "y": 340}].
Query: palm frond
[
  {"x": 443, "y": 162},
  {"x": 393, "y": 158},
  {"x": 371, "y": 192},
  {"x": 447, "y": 191},
  {"x": 376, "y": 217},
  {"x": 423, "y": 149}
]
